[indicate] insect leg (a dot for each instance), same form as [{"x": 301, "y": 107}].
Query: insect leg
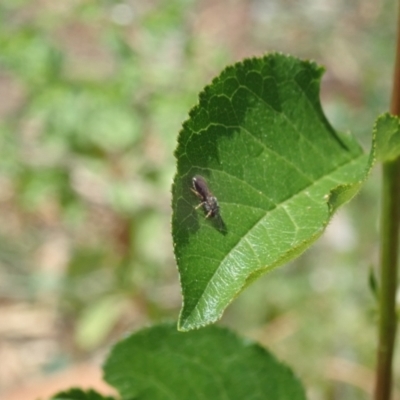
[
  {"x": 196, "y": 193},
  {"x": 201, "y": 204}
]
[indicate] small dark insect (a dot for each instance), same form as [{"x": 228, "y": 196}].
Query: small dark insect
[{"x": 208, "y": 201}]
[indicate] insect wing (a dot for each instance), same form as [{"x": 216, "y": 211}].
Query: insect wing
[{"x": 200, "y": 186}]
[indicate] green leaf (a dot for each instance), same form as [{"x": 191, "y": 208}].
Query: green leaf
[
  {"x": 387, "y": 133},
  {"x": 79, "y": 394},
  {"x": 162, "y": 363},
  {"x": 278, "y": 169}
]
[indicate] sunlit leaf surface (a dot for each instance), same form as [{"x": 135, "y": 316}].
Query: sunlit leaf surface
[{"x": 278, "y": 169}]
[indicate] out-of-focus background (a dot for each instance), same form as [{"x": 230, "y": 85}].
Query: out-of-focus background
[{"x": 92, "y": 97}]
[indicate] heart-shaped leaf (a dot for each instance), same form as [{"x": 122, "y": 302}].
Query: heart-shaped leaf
[
  {"x": 161, "y": 363},
  {"x": 277, "y": 168}
]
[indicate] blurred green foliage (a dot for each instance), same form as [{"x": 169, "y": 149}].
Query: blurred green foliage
[
  {"x": 86, "y": 152},
  {"x": 92, "y": 96}
]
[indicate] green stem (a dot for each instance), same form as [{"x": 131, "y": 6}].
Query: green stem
[
  {"x": 388, "y": 280},
  {"x": 390, "y": 218}
]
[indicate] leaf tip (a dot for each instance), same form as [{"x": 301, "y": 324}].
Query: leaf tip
[{"x": 190, "y": 323}]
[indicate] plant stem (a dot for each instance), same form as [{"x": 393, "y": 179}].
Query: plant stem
[
  {"x": 388, "y": 279},
  {"x": 390, "y": 218},
  {"x": 395, "y": 102}
]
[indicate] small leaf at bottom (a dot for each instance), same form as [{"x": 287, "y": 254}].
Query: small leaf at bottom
[{"x": 161, "y": 363}]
